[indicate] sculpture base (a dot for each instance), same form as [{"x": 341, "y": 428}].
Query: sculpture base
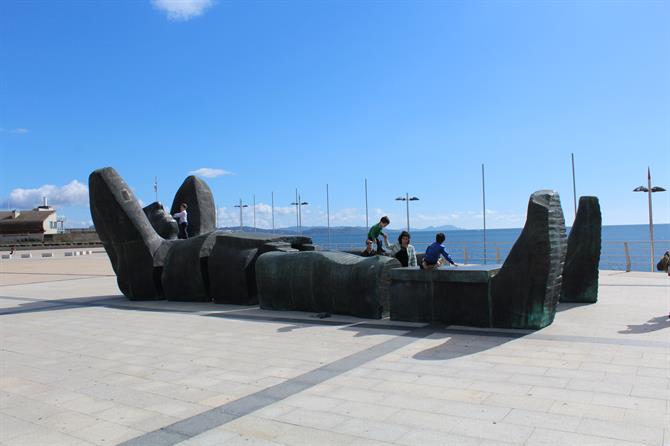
[{"x": 453, "y": 295}]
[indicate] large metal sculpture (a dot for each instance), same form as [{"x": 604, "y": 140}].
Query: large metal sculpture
[
  {"x": 525, "y": 292},
  {"x": 161, "y": 221},
  {"x": 239, "y": 268},
  {"x": 331, "y": 282},
  {"x": 210, "y": 266},
  {"x": 201, "y": 208},
  {"x": 580, "y": 273}
]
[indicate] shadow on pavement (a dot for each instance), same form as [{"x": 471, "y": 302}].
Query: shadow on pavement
[
  {"x": 653, "y": 324},
  {"x": 458, "y": 341}
]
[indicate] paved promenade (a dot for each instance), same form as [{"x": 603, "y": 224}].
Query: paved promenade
[{"x": 82, "y": 365}]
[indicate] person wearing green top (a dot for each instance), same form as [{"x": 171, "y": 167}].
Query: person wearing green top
[{"x": 377, "y": 230}]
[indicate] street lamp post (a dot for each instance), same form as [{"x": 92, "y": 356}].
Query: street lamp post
[
  {"x": 300, "y": 205},
  {"x": 407, "y": 199},
  {"x": 298, "y": 211},
  {"x": 241, "y": 206},
  {"x": 650, "y": 190}
]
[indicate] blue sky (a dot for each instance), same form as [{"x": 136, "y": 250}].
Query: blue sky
[{"x": 274, "y": 96}]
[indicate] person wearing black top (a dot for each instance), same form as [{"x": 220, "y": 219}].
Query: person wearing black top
[
  {"x": 369, "y": 251},
  {"x": 403, "y": 251}
]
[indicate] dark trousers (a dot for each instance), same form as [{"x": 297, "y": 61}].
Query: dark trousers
[
  {"x": 380, "y": 248},
  {"x": 183, "y": 233}
]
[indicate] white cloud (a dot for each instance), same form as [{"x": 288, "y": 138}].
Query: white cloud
[
  {"x": 17, "y": 131},
  {"x": 72, "y": 194},
  {"x": 182, "y": 9},
  {"x": 284, "y": 216},
  {"x": 76, "y": 223},
  {"x": 208, "y": 172}
]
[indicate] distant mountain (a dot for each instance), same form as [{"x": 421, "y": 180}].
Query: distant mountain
[{"x": 441, "y": 228}]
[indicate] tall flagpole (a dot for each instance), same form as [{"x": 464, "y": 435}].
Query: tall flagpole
[
  {"x": 254, "y": 212},
  {"x": 328, "y": 213},
  {"x": 299, "y": 213},
  {"x": 574, "y": 187},
  {"x": 367, "y": 225},
  {"x": 273, "y": 212},
  {"x": 484, "y": 210}
]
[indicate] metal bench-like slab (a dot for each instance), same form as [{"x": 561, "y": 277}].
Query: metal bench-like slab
[{"x": 452, "y": 295}]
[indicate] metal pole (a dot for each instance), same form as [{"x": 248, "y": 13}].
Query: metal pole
[
  {"x": 407, "y": 206},
  {"x": 297, "y": 218},
  {"x": 574, "y": 187},
  {"x": 367, "y": 225},
  {"x": 241, "y": 224},
  {"x": 273, "y": 212},
  {"x": 651, "y": 223},
  {"x": 254, "y": 212},
  {"x": 328, "y": 212},
  {"x": 484, "y": 210},
  {"x": 300, "y": 213}
]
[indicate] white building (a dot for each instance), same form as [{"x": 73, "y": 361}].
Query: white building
[{"x": 21, "y": 226}]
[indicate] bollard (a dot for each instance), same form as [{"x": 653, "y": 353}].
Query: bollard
[{"x": 627, "y": 254}]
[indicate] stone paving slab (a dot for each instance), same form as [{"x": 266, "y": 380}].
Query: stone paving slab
[{"x": 80, "y": 364}]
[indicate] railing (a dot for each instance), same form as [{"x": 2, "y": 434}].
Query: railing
[
  {"x": 632, "y": 255},
  {"x": 614, "y": 255}
]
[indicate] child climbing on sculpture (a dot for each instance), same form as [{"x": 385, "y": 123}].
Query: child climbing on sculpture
[
  {"x": 431, "y": 260},
  {"x": 182, "y": 219},
  {"x": 377, "y": 230}
]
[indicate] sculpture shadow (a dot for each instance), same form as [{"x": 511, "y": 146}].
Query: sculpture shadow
[
  {"x": 461, "y": 343},
  {"x": 653, "y": 324},
  {"x": 458, "y": 342},
  {"x": 119, "y": 302},
  {"x": 38, "y": 306},
  {"x": 562, "y": 306}
]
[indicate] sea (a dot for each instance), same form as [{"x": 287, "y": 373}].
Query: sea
[{"x": 624, "y": 247}]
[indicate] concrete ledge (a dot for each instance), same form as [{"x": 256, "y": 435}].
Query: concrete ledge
[
  {"x": 464, "y": 274},
  {"x": 47, "y": 254},
  {"x": 27, "y": 255},
  {"x": 7, "y": 256}
]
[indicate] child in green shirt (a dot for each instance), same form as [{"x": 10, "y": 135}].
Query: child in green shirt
[{"x": 377, "y": 230}]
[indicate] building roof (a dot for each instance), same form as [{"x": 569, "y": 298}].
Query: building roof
[{"x": 25, "y": 223}]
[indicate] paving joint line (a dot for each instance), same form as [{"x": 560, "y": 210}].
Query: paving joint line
[{"x": 218, "y": 416}]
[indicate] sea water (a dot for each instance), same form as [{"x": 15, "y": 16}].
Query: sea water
[{"x": 467, "y": 246}]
